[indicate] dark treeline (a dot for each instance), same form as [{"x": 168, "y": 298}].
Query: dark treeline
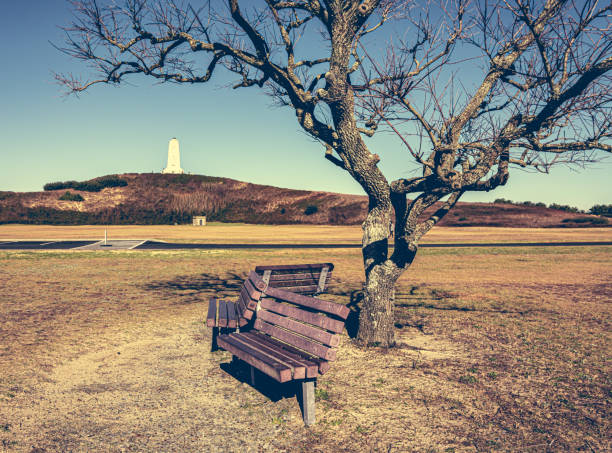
[
  {"x": 598, "y": 209},
  {"x": 120, "y": 215},
  {"x": 93, "y": 185}
]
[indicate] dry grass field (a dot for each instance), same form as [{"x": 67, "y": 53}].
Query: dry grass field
[
  {"x": 240, "y": 233},
  {"x": 501, "y": 349}
]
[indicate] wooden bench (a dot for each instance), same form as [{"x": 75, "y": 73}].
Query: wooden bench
[
  {"x": 298, "y": 278},
  {"x": 294, "y": 338}
]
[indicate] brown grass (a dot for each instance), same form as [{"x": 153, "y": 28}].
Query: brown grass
[
  {"x": 239, "y": 233},
  {"x": 500, "y": 350}
]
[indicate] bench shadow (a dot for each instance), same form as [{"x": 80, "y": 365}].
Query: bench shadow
[
  {"x": 193, "y": 288},
  {"x": 264, "y": 384}
]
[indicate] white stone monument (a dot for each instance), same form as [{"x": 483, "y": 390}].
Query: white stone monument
[{"x": 174, "y": 158}]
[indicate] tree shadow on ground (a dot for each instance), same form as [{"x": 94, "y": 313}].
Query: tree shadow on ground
[
  {"x": 195, "y": 288},
  {"x": 406, "y": 300},
  {"x": 355, "y": 297}
]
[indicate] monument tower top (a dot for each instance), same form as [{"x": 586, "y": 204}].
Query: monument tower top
[{"x": 174, "y": 158}]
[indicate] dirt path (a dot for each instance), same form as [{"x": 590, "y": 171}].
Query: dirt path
[{"x": 162, "y": 391}]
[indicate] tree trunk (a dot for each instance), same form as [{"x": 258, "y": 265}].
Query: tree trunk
[{"x": 376, "y": 319}]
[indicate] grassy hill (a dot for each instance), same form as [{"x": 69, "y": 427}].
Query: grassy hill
[{"x": 153, "y": 198}]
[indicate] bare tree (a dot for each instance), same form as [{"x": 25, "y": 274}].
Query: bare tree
[{"x": 542, "y": 95}]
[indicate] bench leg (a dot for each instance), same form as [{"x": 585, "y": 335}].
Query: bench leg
[
  {"x": 308, "y": 401},
  {"x": 252, "y": 375},
  {"x": 214, "y": 346}
]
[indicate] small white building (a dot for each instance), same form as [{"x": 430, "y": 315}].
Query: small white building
[{"x": 199, "y": 220}]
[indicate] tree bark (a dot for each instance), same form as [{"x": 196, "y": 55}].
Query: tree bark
[{"x": 376, "y": 319}]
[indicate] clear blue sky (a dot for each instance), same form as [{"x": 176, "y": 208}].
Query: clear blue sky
[{"x": 233, "y": 133}]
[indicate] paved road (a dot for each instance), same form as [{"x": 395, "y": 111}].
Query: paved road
[
  {"x": 43, "y": 245},
  {"x": 155, "y": 245}
]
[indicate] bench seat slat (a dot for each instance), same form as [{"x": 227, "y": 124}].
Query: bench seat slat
[
  {"x": 246, "y": 313},
  {"x": 211, "y": 317},
  {"x": 339, "y": 310},
  {"x": 253, "y": 292},
  {"x": 315, "y": 319},
  {"x": 308, "y": 331},
  {"x": 222, "y": 314},
  {"x": 241, "y": 306},
  {"x": 250, "y": 303},
  {"x": 311, "y": 364},
  {"x": 297, "y": 341},
  {"x": 323, "y": 365},
  {"x": 298, "y": 367},
  {"x": 232, "y": 318},
  {"x": 267, "y": 365},
  {"x": 257, "y": 281}
]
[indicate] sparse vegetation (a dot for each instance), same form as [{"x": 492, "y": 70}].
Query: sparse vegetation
[
  {"x": 69, "y": 196},
  {"x": 321, "y": 394},
  {"x": 468, "y": 379}
]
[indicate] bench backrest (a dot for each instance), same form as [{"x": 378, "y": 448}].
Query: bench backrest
[
  {"x": 229, "y": 314},
  {"x": 250, "y": 294},
  {"x": 306, "y": 323},
  {"x": 297, "y": 278}
]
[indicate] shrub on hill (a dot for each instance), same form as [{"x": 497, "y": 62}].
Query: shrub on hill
[
  {"x": 170, "y": 180},
  {"x": 52, "y": 216},
  {"x": 539, "y": 204},
  {"x": 69, "y": 196},
  {"x": 563, "y": 207},
  {"x": 590, "y": 220},
  {"x": 93, "y": 185},
  {"x": 59, "y": 185},
  {"x": 119, "y": 215},
  {"x": 602, "y": 209},
  {"x": 311, "y": 209},
  {"x": 109, "y": 181}
]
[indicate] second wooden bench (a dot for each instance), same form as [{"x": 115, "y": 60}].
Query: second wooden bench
[{"x": 294, "y": 338}]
